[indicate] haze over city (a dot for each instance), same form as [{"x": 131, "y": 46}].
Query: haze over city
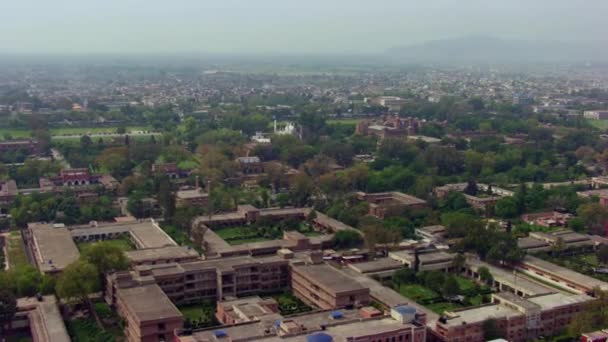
[
  {"x": 303, "y": 171},
  {"x": 271, "y": 27}
]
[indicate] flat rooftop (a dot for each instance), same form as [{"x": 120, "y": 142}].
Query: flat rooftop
[
  {"x": 480, "y": 314},
  {"x": 8, "y": 188},
  {"x": 380, "y": 265},
  {"x": 329, "y": 278},
  {"x": 171, "y": 252},
  {"x": 55, "y": 248},
  {"x": 566, "y": 273},
  {"x": 555, "y": 300},
  {"x": 148, "y": 302},
  {"x": 190, "y": 194},
  {"x": 145, "y": 234},
  {"x": 516, "y": 281}
]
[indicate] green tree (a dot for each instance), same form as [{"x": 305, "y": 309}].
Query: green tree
[
  {"x": 459, "y": 262},
  {"x": 485, "y": 275},
  {"x": 77, "y": 281},
  {"x": 346, "y": 239},
  {"x": 404, "y": 276},
  {"x": 450, "y": 287},
  {"x": 8, "y": 308},
  {"x": 506, "y": 207},
  {"x": 594, "y": 215},
  {"x": 106, "y": 258}
]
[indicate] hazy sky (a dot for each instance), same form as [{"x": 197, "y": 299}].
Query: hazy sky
[{"x": 283, "y": 26}]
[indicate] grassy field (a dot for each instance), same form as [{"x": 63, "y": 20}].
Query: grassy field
[
  {"x": 17, "y": 133},
  {"x": 344, "y": 121},
  {"x": 239, "y": 235},
  {"x": 601, "y": 124},
  {"x": 417, "y": 292},
  {"x": 124, "y": 243},
  {"x": 16, "y": 250}
]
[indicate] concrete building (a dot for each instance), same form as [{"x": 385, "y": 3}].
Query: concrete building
[
  {"x": 485, "y": 200},
  {"x": 191, "y": 197},
  {"x": 432, "y": 233},
  {"x": 326, "y": 288},
  {"x": 518, "y": 319},
  {"x": 41, "y": 318},
  {"x": 560, "y": 276},
  {"x": 387, "y": 204},
  {"x": 150, "y": 316},
  {"x": 54, "y": 245},
  {"x": 8, "y": 193},
  {"x": 506, "y": 280},
  {"x": 246, "y": 309},
  {"x": 30, "y": 146},
  {"x": 191, "y": 282},
  {"x": 338, "y": 325},
  {"x": 596, "y": 114},
  {"x": 427, "y": 261}
]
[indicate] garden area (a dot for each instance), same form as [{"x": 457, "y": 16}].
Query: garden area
[
  {"x": 86, "y": 329},
  {"x": 263, "y": 230},
  {"x": 124, "y": 243},
  {"x": 290, "y": 304},
  {"x": 198, "y": 316},
  {"x": 440, "y": 291},
  {"x": 15, "y": 250}
]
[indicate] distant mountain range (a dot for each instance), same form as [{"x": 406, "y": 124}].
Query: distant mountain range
[{"x": 473, "y": 49}]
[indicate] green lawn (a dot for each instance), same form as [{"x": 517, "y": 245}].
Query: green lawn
[
  {"x": 344, "y": 121},
  {"x": 239, "y": 235},
  {"x": 124, "y": 243},
  {"x": 16, "y": 250},
  {"x": 465, "y": 284},
  {"x": 18, "y": 133},
  {"x": 199, "y": 315},
  {"x": 290, "y": 304},
  {"x": 417, "y": 292},
  {"x": 601, "y": 124}
]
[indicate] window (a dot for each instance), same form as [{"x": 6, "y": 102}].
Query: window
[{"x": 161, "y": 326}]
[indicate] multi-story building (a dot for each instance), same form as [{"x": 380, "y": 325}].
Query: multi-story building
[
  {"x": 517, "y": 318},
  {"x": 485, "y": 200},
  {"x": 42, "y": 318},
  {"x": 366, "y": 324},
  {"x": 171, "y": 170},
  {"x": 326, "y": 288},
  {"x": 191, "y": 282},
  {"x": 596, "y": 114},
  {"x": 8, "y": 193},
  {"x": 192, "y": 197},
  {"x": 560, "y": 276},
  {"x": 77, "y": 180},
  {"x": 150, "y": 316},
  {"x": 31, "y": 146},
  {"x": 387, "y": 204},
  {"x": 424, "y": 261}
]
